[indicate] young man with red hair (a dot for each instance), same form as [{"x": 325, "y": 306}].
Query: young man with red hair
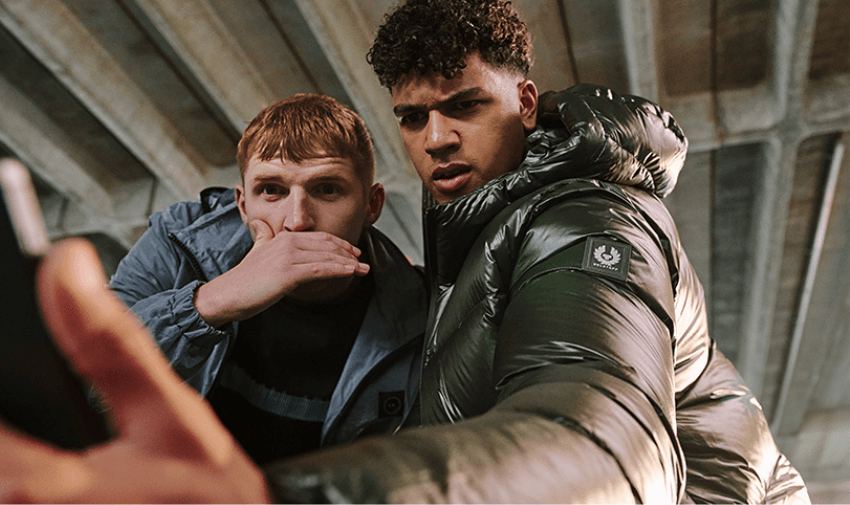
[{"x": 279, "y": 301}]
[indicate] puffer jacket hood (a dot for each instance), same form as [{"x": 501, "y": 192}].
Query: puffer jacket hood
[{"x": 611, "y": 138}]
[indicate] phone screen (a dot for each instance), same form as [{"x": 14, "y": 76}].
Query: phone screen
[{"x": 39, "y": 394}]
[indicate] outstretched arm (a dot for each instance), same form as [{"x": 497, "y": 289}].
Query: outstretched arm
[
  {"x": 170, "y": 447},
  {"x": 584, "y": 417}
]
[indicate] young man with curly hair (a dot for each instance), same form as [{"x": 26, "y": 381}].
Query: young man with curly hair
[
  {"x": 567, "y": 354},
  {"x": 566, "y": 357}
]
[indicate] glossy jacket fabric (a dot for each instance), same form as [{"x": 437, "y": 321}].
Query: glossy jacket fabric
[
  {"x": 193, "y": 242},
  {"x": 559, "y": 369}
]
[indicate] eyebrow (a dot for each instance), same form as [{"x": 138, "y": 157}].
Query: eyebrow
[
  {"x": 263, "y": 178},
  {"x": 276, "y": 178},
  {"x": 404, "y": 109}
]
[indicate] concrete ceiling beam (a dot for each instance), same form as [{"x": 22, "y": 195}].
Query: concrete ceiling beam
[
  {"x": 764, "y": 107},
  {"x": 799, "y": 373},
  {"x": 612, "y": 43},
  {"x": 797, "y": 20},
  {"x": 81, "y": 203},
  {"x": 598, "y": 42},
  {"x": 44, "y": 148},
  {"x": 554, "y": 67},
  {"x": 770, "y": 212},
  {"x": 793, "y": 40},
  {"x": 828, "y": 99},
  {"x": 637, "y": 20},
  {"x": 67, "y": 217},
  {"x": 208, "y": 54},
  {"x": 50, "y": 31},
  {"x": 73, "y": 220}
]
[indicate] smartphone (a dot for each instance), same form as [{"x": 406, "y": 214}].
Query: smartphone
[{"x": 39, "y": 392}]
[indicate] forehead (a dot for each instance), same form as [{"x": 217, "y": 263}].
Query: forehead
[
  {"x": 300, "y": 172},
  {"x": 424, "y": 90}
]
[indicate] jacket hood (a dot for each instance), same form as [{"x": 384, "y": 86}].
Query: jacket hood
[
  {"x": 590, "y": 132},
  {"x": 215, "y": 198}
]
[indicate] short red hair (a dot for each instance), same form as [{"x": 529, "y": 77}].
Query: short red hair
[{"x": 308, "y": 126}]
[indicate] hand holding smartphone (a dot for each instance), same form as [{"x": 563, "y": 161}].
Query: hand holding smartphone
[
  {"x": 39, "y": 393},
  {"x": 167, "y": 444}
]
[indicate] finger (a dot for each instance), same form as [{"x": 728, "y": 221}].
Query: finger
[
  {"x": 107, "y": 343},
  {"x": 361, "y": 269},
  {"x": 321, "y": 241},
  {"x": 329, "y": 264},
  {"x": 309, "y": 256},
  {"x": 308, "y": 272},
  {"x": 261, "y": 231},
  {"x": 31, "y": 470},
  {"x": 129, "y": 476}
]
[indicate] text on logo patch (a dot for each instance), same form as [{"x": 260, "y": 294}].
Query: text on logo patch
[{"x": 607, "y": 257}]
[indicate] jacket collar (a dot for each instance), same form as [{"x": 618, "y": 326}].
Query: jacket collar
[
  {"x": 395, "y": 313},
  {"x": 218, "y": 239}
]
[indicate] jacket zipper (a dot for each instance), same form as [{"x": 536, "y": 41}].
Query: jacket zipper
[
  {"x": 365, "y": 380},
  {"x": 429, "y": 232},
  {"x": 196, "y": 265}
]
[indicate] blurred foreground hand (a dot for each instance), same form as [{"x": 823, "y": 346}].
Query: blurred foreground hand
[{"x": 169, "y": 447}]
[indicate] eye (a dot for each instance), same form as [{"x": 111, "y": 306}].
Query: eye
[
  {"x": 272, "y": 190},
  {"x": 328, "y": 190},
  {"x": 411, "y": 119},
  {"x": 465, "y": 104}
]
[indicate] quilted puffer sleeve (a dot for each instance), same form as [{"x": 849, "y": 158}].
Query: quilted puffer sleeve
[
  {"x": 596, "y": 342},
  {"x": 731, "y": 454}
]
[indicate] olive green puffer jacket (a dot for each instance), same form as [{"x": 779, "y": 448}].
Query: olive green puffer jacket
[{"x": 567, "y": 356}]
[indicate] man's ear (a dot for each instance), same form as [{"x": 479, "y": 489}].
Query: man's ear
[
  {"x": 528, "y": 104},
  {"x": 375, "y": 204},
  {"x": 239, "y": 190}
]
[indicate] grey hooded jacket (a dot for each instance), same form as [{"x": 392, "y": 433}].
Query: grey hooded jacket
[{"x": 191, "y": 243}]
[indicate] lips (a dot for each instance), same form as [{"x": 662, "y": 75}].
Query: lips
[{"x": 451, "y": 178}]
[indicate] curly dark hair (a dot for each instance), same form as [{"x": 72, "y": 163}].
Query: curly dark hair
[{"x": 436, "y": 35}]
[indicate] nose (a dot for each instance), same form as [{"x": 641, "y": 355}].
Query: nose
[
  {"x": 299, "y": 214},
  {"x": 440, "y": 136}
]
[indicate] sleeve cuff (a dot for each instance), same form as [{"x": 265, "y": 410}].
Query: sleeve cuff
[{"x": 192, "y": 325}]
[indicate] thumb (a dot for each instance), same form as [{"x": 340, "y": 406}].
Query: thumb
[
  {"x": 106, "y": 343},
  {"x": 260, "y": 230}
]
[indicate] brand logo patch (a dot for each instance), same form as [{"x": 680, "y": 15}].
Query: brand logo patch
[{"x": 607, "y": 257}]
